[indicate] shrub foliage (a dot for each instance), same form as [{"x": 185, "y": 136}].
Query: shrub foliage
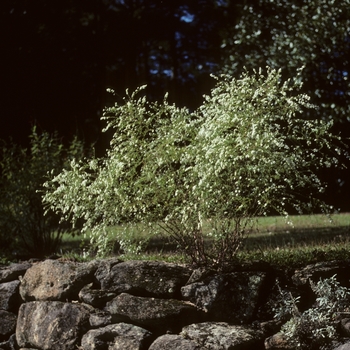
[
  {"x": 247, "y": 151},
  {"x": 23, "y": 226}
]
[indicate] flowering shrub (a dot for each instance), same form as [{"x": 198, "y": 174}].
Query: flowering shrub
[{"x": 245, "y": 151}]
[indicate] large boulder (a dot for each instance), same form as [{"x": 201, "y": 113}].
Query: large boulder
[
  {"x": 9, "y": 297},
  {"x": 173, "y": 342},
  {"x": 55, "y": 280},
  {"x": 143, "y": 278},
  {"x": 158, "y": 315},
  {"x": 8, "y": 322},
  {"x": 223, "y": 336},
  {"x": 51, "y": 325},
  {"x": 231, "y": 297},
  {"x": 117, "y": 336},
  {"x": 13, "y": 271}
]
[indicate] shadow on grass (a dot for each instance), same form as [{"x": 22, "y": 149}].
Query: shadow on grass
[
  {"x": 299, "y": 237},
  {"x": 294, "y": 237},
  {"x": 290, "y": 247}
]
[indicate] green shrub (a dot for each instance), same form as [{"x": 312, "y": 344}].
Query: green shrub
[
  {"x": 23, "y": 226},
  {"x": 316, "y": 327},
  {"x": 246, "y": 151}
]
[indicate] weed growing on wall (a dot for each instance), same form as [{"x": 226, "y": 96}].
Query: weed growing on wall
[
  {"x": 245, "y": 152},
  {"x": 316, "y": 327}
]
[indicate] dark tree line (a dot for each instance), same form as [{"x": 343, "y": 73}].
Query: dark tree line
[{"x": 58, "y": 57}]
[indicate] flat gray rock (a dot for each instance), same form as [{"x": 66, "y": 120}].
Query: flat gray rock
[
  {"x": 223, "y": 336},
  {"x": 13, "y": 271},
  {"x": 323, "y": 270},
  {"x": 100, "y": 318},
  {"x": 117, "y": 336},
  {"x": 158, "y": 315},
  {"x": 146, "y": 278},
  {"x": 173, "y": 342},
  {"x": 95, "y": 297},
  {"x": 9, "y": 295}
]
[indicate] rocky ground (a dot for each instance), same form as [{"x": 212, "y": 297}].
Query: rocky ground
[{"x": 110, "y": 304}]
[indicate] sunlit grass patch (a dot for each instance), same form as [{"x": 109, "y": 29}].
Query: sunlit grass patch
[{"x": 310, "y": 238}]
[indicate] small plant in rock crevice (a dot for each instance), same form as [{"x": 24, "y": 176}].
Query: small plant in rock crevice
[
  {"x": 315, "y": 328},
  {"x": 246, "y": 151}
]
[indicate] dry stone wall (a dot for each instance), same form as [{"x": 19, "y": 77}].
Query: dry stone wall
[{"x": 111, "y": 304}]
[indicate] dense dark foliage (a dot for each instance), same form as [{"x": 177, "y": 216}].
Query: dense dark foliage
[
  {"x": 58, "y": 57},
  {"x": 24, "y": 229}
]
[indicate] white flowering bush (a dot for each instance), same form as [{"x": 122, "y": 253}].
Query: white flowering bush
[
  {"x": 245, "y": 151},
  {"x": 316, "y": 327}
]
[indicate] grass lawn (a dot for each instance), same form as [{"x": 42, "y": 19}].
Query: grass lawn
[
  {"x": 305, "y": 239},
  {"x": 298, "y": 241}
]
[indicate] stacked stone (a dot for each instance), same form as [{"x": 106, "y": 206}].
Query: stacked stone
[{"x": 110, "y": 304}]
